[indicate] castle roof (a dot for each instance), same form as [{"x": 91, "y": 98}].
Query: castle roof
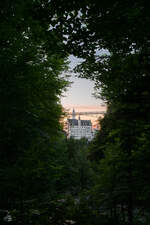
[
  {"x": 74, "y": 122},
  {"x": 86, "y": 123}
]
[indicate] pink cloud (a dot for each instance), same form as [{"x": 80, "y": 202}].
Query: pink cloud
[{"x": 85, "y": 108}]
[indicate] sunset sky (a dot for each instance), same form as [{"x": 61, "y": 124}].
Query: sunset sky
[{"x": 79, "y": 94}]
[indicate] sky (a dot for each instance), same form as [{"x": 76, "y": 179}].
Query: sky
[
  {"x": 80, "y": 94},
  {"x": 80, "y": 97}
]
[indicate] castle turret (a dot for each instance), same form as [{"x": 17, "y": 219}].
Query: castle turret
[
  {"x": 73, "y": 114},
  {"x": 79, "y": 122}
]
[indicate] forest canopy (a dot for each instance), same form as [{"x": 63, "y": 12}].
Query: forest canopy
[{"x": 107, "y": 181}]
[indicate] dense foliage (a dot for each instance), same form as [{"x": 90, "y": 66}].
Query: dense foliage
[
  {"x": 44, "y": 178},
  {"x": 31, "y": 62},
  {"x": 122, "y": 78}
]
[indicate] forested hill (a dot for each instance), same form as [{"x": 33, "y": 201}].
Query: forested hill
[{"x": 45, "y": 178}]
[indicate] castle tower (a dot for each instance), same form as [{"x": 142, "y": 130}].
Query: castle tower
[
  {"x": 79, "y": 122},
  {"x": 73, "y": 114}
]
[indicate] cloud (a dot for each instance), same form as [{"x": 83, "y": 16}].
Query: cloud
[{"x": 85, "y": 108}]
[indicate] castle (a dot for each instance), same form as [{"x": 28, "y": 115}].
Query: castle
[{"x": 78, "y": 129}]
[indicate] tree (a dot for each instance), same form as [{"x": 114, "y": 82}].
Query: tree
[
  {"x": 122, "y": 76},
  {"x": 31, "y": 62}
]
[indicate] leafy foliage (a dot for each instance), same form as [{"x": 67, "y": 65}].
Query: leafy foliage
[
  {"x": 31, "y": 63},
  {"x": 122, "y": 78},
  {"x": 38, "y": 167}
]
